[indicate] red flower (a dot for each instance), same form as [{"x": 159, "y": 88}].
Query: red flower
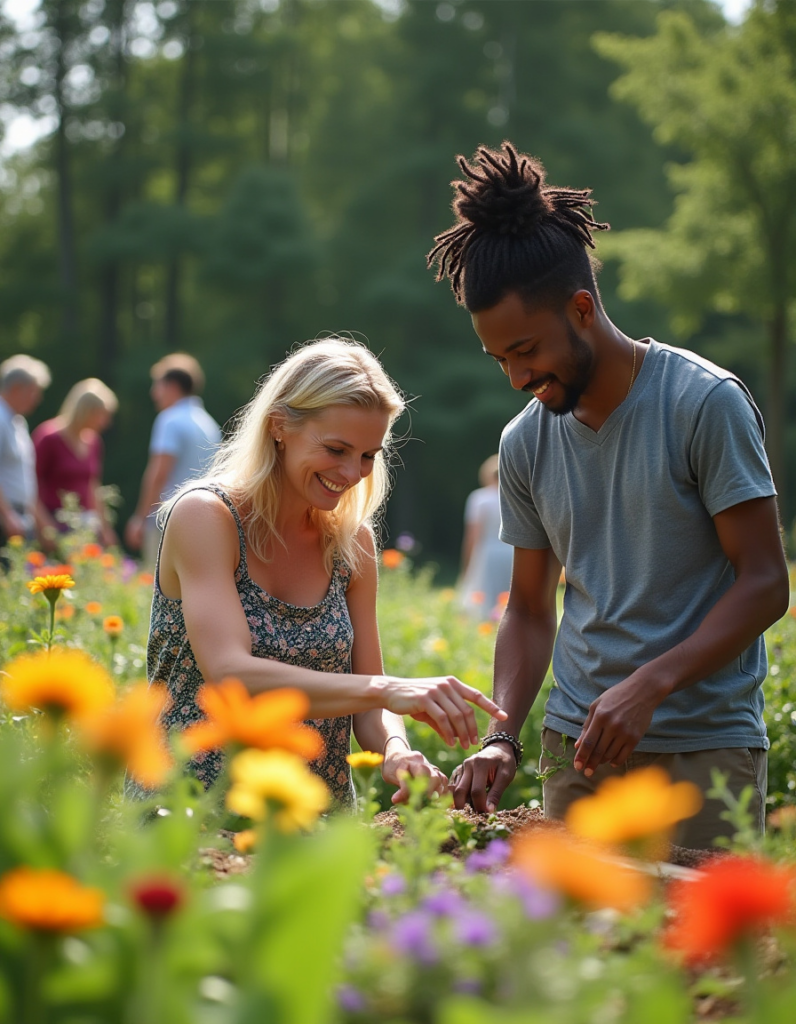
[
  {"x": 158, "y": 897},
  {"x": 733, "y": 897}
]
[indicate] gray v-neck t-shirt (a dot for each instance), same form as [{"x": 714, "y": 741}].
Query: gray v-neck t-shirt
[{"x": 628, "y": 511}]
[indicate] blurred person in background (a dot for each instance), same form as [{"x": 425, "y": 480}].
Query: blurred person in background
[
  {"x": 22, "y": 383},
  {"x": 183, "y": 441},
  {"x": 70, "y": 455},
  {"x": 486, "y": 560}
]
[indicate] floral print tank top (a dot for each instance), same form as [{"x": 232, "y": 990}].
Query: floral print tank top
[{"x": 320, "y": 638}]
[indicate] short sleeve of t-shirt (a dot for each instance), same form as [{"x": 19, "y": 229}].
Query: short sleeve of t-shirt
[
  {"x": 520, "y": 524},
  {"x": 727, "y": 455},
  {"x": 165, "y": 438}
]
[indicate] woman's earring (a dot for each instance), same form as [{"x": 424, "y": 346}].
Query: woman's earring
[{"x": 279, "y": 443}]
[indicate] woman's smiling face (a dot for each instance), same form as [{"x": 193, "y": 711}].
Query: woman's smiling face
[{"x": 330, "y": 453}]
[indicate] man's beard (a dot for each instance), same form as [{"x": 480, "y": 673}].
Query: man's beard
[{"x": 580, "y": 367}]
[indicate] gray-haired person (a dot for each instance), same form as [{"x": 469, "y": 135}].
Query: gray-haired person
[{"x": 22, "y": 383}]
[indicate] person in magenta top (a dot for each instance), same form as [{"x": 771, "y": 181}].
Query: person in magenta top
[{"x": 69, "y": 455}]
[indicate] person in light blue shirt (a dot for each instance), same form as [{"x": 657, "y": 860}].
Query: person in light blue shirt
[
  {"x": 641, "y": 469},
  {"x": 183, "y": 441}
]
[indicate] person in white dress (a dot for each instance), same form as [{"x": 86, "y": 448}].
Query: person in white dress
[{"x": 486, "y": 560}]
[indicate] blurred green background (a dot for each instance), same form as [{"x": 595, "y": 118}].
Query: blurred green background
[{"x": 230, "y": 177}]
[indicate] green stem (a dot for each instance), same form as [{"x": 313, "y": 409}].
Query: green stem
[
  {"x": 754, "y": 994},
  {"x": 33, "y": 1005},
  {"x": 52, "y": 625}
]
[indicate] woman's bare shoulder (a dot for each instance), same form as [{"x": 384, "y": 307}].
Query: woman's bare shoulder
[{"x": 199, "y": 513}]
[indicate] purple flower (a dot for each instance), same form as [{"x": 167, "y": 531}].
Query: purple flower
[
  {"x": 378, "y": 920},
  {"x": 393, "y": 885},
  {"x": 129, "y": 569},
  {"x": 473, "y": 928},
  {"x": 444, "y": 903},
  {"x": 538, "y": 903},
  {"x": 404, "y": 541},
  {"x": 412, "y": 934},
  {"x": 350, "y": 999},
  {"x": 493, "y": 856}
]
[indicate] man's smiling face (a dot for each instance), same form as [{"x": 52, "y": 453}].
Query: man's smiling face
[{"x": 540, "y": 351}]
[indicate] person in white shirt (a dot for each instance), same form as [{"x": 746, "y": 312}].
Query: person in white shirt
[
  {"x": 184, "y": 439},
  {"x": 22, "y": 383}
]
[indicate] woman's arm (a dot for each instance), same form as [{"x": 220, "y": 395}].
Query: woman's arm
[
  {"x": 380, "y": 730},
  {"x": 198, "y": 562}
]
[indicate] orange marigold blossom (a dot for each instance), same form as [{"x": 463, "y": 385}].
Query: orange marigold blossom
[
  {"x": 391, "y": 558},
  {"x": 365, "y": 759},
  {"x": 58, "y": 570},
  {"x": 50, "y": 585},
  {"x": 113, "y": 625},
  {"x": 128, "y": 734},
  {"x": 270, "y": 719},
  {"x": 107, "y": 561},
  {"x": 65, "y": 611},
  {"x": 36, "y": 558},
  {"x": 146, "y": 579},
  {"x": 91, "y": 550},
  {"x": 276, "y": 784},
  {"x": 581, "y": 871},
  {"x": 485, "y": 628},
  {"x": 61, "y": 682},
  {"x": 642, "y": 803},
  {"x": 47, "y": 900},
  {"x": 245, "y": 841},
  {"x": 731, "y": 899},
  {"x": 93, "y": 607}
]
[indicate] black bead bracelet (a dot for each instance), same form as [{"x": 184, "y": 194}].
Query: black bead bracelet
[{"x": 506, "y": 737}]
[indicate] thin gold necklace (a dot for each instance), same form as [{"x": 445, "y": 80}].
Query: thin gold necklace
[{"x": 633, "y": 371}]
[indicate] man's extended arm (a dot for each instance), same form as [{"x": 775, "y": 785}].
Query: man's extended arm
[
  {"x": 749, "y": 536},
  {"x": 522, "y": 655}
]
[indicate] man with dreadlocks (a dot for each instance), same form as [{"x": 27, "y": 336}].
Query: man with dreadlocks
[{"x": 641, "y": 469}]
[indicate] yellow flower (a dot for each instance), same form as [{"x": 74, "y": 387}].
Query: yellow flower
[
  {"x": 50, "y": 586},
  {"x": 557, "y": 861},
  {"x": 365, "y": 759},
  {"x": 440, "y": 645},
  {"x": 270, "y": 719},
  {"x": 113, "y": 625},
  {"x": 47, "y": 900},
  {"x": 129, "y": 736},
  {"x": 642, "y": 803},
  {"x": 61, "y": 682},
  {"x": 93, "y": 607},
  {"x": 274, "y": 781},
  {"x": 15, "y": 540}
]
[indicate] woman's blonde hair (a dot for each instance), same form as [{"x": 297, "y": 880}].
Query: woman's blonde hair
[
  {"x": 86, "y": 397},
  {"x": 315, "y": 377}
]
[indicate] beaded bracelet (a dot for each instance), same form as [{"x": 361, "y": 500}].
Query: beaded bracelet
[{"x": 506, "y": 737}]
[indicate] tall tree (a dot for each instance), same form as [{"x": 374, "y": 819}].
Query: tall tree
[{"x": 727, "y": 97}]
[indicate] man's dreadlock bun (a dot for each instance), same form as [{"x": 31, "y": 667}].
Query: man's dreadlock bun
[
  {"x": 509, "y": 196},
  {"x": 503, "y": 200}
]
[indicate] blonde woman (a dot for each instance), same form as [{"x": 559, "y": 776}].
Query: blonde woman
[
  {"x": 267, "y": 571},
  {"x": 69, "y": 454}
]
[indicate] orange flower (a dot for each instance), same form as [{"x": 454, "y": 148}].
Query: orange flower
[
  {"x": 584, "y": 873},
  {"x": 485, "y": 628},
  {"x": 642, "y": 803},
  {"x": 477, "y": 597},
  {"x": 93, "y": 607},
  {"x": 58, "y": 570},
  {"x": 36, "y": 558},
  {"x": 47, "y": 900},
  {"x": 128, "y": 735},
  {"x": 391, "y": 558},
  {"x": 503, "y": 599},
  {"x": 107, "y": 561},
  {"x": 245, "y": 841},
  {"x": 91, "y": 551},
  {"x": 65, "y": 612},
  {"x": 146, "y": 579},
  {"x": 731, "y": 899},
  {"x": 50, "y": 585},
  {"x": 271, "y": 719},
  {"x": 113, "y": 625},
  {"x": 60, "y": 682}
]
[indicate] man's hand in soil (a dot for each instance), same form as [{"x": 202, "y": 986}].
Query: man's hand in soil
[
  {"x": 616, "y": 722},
  {"x": 482, "y": 779}
]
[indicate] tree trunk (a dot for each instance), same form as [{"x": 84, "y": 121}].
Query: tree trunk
[
  {"x": 67, "y": 255},
  {"x": 778, "y": 334},
  {"x": 183, "y": 167}
]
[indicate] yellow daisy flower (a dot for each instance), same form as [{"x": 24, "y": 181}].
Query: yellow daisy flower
[
  {"x": 50, "y": 586},
  {"x": 62, "y": 682},
  {"x": 276, "y": 783},
  {"x": 365, "y": 759}
]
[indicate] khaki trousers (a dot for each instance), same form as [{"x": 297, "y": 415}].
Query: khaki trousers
[{"x": 745, "y": 767}]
